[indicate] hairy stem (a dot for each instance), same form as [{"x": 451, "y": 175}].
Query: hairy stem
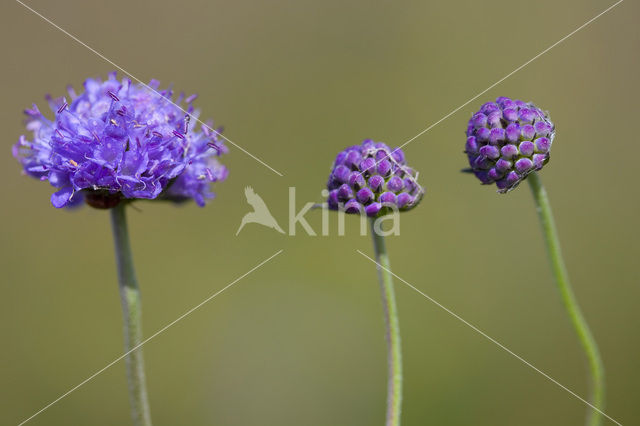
[
  {"x": 394, "y": 386},
  {"x": 132, "y": 313},
  {"x": 568, "y": 298}
]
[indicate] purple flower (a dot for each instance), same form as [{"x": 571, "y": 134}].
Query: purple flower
[
  {"x": 118, "y": 140},
  {"x": 506, "y": 140},
  {"x": 372, "y": 179}
]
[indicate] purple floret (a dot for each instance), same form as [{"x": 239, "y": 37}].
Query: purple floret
[
  {"x": 118, "y": 140},
  {"x": 506, "y": 140},
  {"x": 372, "y": 179}
]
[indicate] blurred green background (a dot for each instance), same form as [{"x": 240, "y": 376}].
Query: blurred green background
[{"x": 300, "y": 341}]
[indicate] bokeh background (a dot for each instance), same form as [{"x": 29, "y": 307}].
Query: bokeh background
[{"x": 300, "y": 341}]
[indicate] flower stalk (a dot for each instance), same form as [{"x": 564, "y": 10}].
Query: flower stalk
[
  {"x": 578, "y": 321},
  {"x": 392, "y": 329},
  {"x": 132, "y": 314}
]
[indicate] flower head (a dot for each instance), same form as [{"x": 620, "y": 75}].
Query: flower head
[
  {"x": 118, "y": 140},
  {"x": 506, "y": 140},
  {"x": 373, "y": 179}
]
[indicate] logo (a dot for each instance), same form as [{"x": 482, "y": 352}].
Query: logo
[
  {"x": 262, "y": 216},
  {"x": 260, "y": 213}
]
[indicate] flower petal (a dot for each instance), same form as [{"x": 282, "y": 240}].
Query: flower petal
[{"x": 61, "y": 198}]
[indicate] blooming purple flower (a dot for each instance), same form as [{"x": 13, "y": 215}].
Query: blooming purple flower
[
  {"x": 506, "y": 140},
  {"x": 118, "y": 140},
  {"x": 373, "y": 179}
]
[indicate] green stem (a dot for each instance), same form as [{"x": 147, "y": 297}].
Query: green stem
[
  {"x": 568, "y": 298},
  {"x": 132, "y": 313},
  {"x": 394, "y": 386}
]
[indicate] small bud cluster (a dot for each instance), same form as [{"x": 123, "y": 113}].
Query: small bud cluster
[
  {"x": 373, "y": 179},
  {"x": 506, "y": 140}
]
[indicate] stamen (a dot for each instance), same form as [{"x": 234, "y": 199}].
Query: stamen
[
  {"x": 187, "y": 119},
  {"x": 212, "y": 145},
  {"x": 178, "y": 134},
  {"x": 62, "y": 108},
  {"x": 73, "y": 163},
  {"x": 113, "y": 96},
  {"x": 158, "y": 134},
  {"x": 209, "y": 174}
]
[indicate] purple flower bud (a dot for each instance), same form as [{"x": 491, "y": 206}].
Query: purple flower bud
[
  {"x": 501, "y": 184},
  {"x": 481, "y": 163},
  {"x": 381, "y": 154},
  {"x": 376, "y": 182},
  {"x": 404, "y": 199},
  {"x": 368, "y": 144},
  {"x": 118, "y": 140},
  {"x": 373, "y": 209},
  {"x": 409, "y": 184},
  {"x": 365, "y": 195},
  {"x": 513, "y": 132},
  {"x": 526, "y": 148},
  {"x": 368, "y": 165},
  {"x": 512, "y": 178},
  {"x": 341, "y": 174},
  {"x": 527, "y": 132},
  {"x": 479, "y": 120},
  {"x": 494, "y": 174},
  {"x": 395, "y": 184},
  {"x": 542, "y": 128},
  {"x": 496, "y": 136},
  {"x": 488, "y": 107},
  {"x": 523, "y": 165},
  {"x": 470, "y": 148},
  {"x": 333, "y": 199},
  {"x": 510, "y": 114},
  {"x": 505, "y": 102},
  {"x": 482, "y": 134},
  {"x": 388, "y": 197},
  {"x": 384, "y": 167},
  {"x": 490, "y": 151},
  {"x": 345, "y": 192},
  {"x": 356, "y": 180},
  {"x": 386, "y": 170},
  {"x": 482, "y": 175},
  {"x": 540, "y": 160},
  {"x": 542, "y": 145},
  {"x": 514, "y": 141},
  {"x": 526, "y": 115},
  {"x": 398, "y": 155},
  {"x": 340, "y": 158},
  {"x": 352, "y": 206},
  {"x": 503, "y": 165},
  {"x": 353, "y": 159},
  {"x": 494, "y": 119}
]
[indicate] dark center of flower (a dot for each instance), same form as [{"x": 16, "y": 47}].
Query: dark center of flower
[{"x": 102, "y": 199}]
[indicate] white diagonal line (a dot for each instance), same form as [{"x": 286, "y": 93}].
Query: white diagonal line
[
  {"x": 491, "y": 339},
  {"x": 503, "y": 78},
  {"x": 76, "y": 39},
  {"x": 510, "y": 74},
  {"x": 163, "y": 329}
]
